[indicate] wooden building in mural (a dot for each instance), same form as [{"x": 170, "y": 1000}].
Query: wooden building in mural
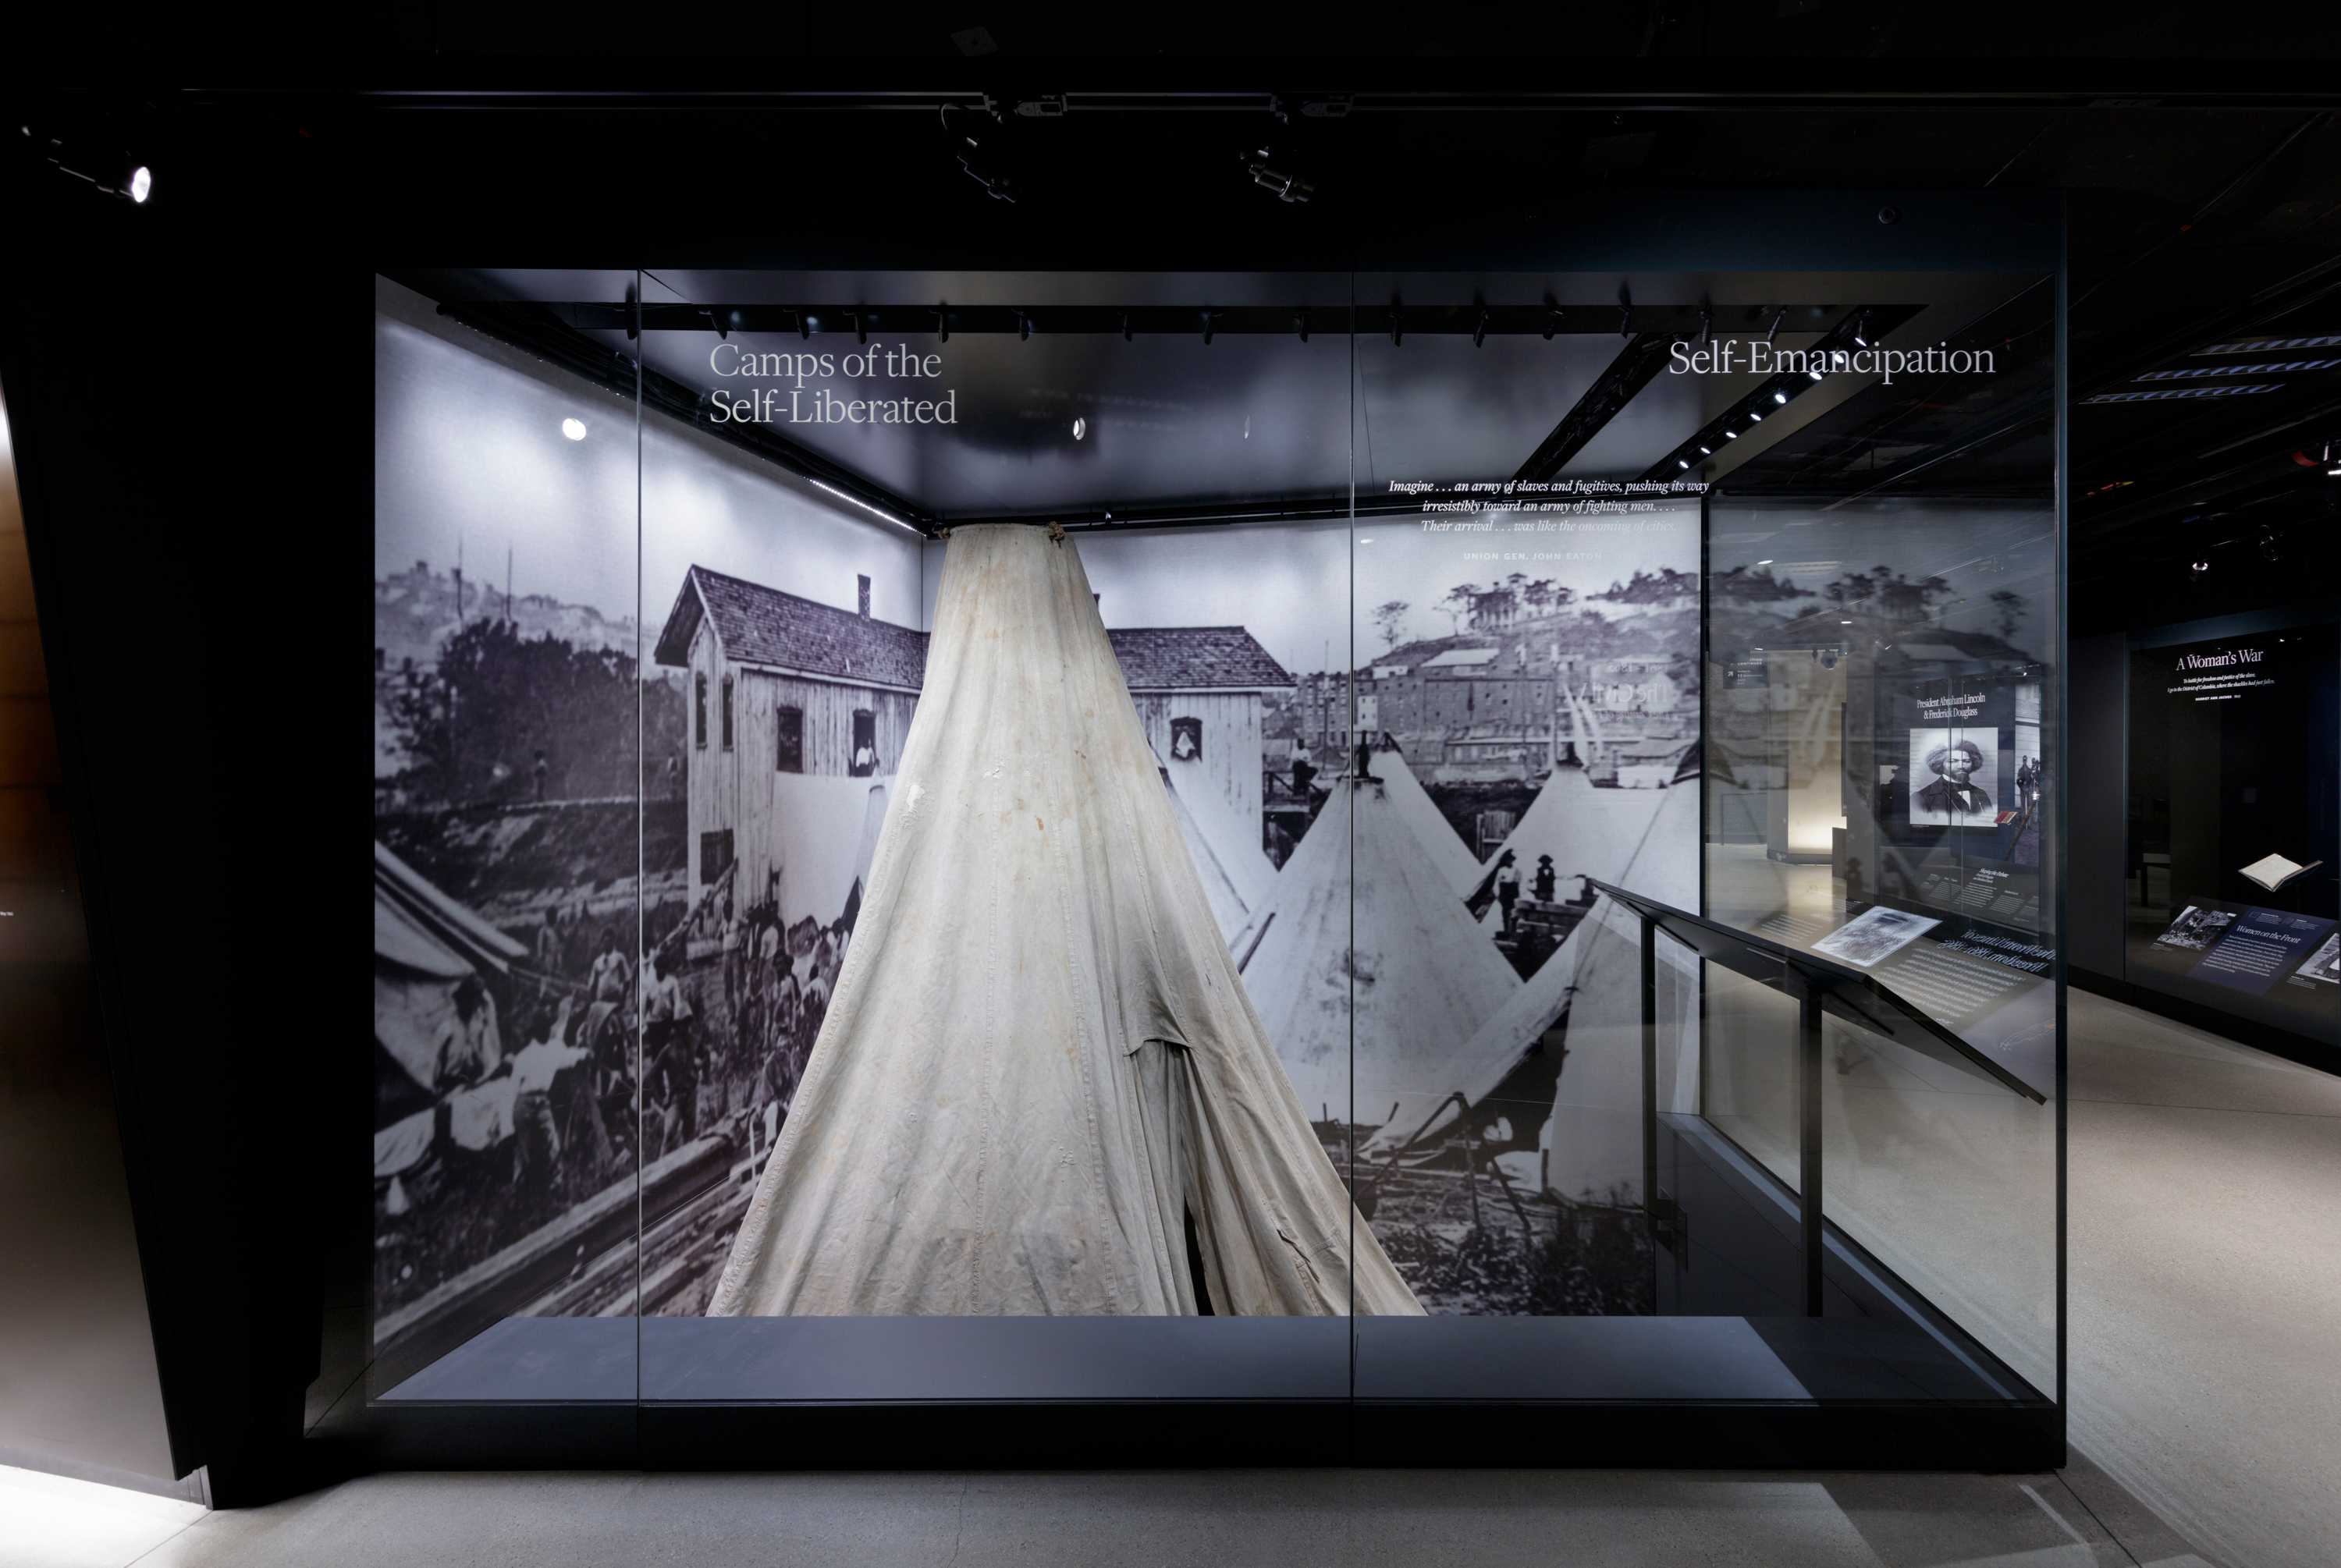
[
  {"x": 778, "y": 685},
  {"x": 1199, "y": 691}
]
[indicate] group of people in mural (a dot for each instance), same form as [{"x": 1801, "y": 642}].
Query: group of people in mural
[{"x": 729, "y": 1001}]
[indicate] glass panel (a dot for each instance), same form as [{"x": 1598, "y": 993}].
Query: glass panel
[
  {"x": 1528, "y": 682},
  {"x": 1883, "y": 647},
  {"x": 1022, "y": 602},
  {"x": 508, "y": 814},
  {"x": 2233, "y": 899},
  {"x": 1579, "y": 516}
]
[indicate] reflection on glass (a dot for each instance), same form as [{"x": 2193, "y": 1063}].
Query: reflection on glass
[
  {"x": 509, "y": 697},
  {"x": 1882, "y": 732}
]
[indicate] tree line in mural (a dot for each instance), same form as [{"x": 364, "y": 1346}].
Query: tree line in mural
[{"x": 506, "y": 716}]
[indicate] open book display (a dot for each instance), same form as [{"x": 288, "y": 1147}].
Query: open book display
[{"x": 2273, "y": 872}]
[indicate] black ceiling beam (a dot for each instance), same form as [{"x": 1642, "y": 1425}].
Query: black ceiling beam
[
  {"x": 1706, "y": 447},
  {"x": 809, "y": 320},
  {"x": 1637, "y": 366}
]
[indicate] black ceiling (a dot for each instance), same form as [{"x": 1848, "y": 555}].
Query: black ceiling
[{"x": 2205, "y": 209}]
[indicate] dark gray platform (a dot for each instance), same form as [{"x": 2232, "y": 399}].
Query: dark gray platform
[{"x": 978, "y": 1360}]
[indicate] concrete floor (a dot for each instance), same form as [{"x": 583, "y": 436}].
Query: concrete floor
[
  {"x": 1224, "y": 1519},
  {"x": 2205, "y": 1248},
  {"x": 2205, "y": 1385}
]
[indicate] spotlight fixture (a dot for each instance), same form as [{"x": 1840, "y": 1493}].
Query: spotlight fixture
[
  {"x": 2201, "y": 567},
  {"x": 1731, "y": 435},
  {"x": 1860, "y": 330},
  {"x": 1479, "y": 332},
  {"x": 1815, "y": 374},
  {"x": 1081, "y": 426},
  {"x": 942, "y": 323},
  {"x": 980, "y": 168},
  {"x": 1755, "y": 418},
  {"x": 2269, "y": 550},
  {"x": 861, "y": 328},
  {"x": 1551, "y": 318},
  {"x": 109, "y": 169},
  {"x": 1778, "y": 396},
  {"x": 1125, "y": 326},
  {"x": 1774, "y": 330},
  {"x": 1207, "y": 327},
  {"x": 1706, "y": 325},
  {"x": 574, "y": 428},
  {"x": 1023, "y": 327},
  {"x": 1682, "y": 462},
  {"x": 1301, "y": 324},
  {"x": 1707, "y": 452},
  {"x": 805, "y": 325},
  {"x": 1287, "y": 187},
  {"x": 1398, "y": 322}
]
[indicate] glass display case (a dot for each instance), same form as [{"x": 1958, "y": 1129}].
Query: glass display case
[{"x": 1327, "y": 842}]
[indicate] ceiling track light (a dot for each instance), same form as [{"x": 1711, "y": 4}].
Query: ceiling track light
[
  {"x": 721, "y": 330},
  {"x": 861, "y": 327},
  {"x": 1125, "y": 326},
  {"x": 1397, "y": 323},
  {"x": 1480, "y": 332},
  {"x": 1861, "y": 329},
  {"x": 805, "y": 326},
  {"x": 1207, "y": 327},
  {"x": 942, "y": 323},
  {"x": 1779, "y": 396},
  {"x": 1705, "y": 325},
  {"x": 1774, "y": 330},
  {"x": 1023, "y": 327},
  {"x": 1301, "y": 324},
  {"x": 109, "y": 169}
]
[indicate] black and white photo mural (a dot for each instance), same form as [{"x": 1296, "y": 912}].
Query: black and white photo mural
[
  {"x": 639, "y": 723},
  {"x": 628, "y": 773}
]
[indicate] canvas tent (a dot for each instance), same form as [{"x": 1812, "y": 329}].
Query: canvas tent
[
  {"x": 1559, "y": 1064},
  {"x": 425, "y": 945},
  {"x": 1449, "y": 854},
  {"x": 1233, "y": 867},
  {"x": 1589, "y": 830},
  {"x": 1039, "y": 1066},
  {"x": 1362, "y": 921}
]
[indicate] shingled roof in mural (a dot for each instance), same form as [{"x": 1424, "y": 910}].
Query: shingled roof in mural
[
  {"x": 760, "y": 625},
  {"x": 1194, "y": 658}
]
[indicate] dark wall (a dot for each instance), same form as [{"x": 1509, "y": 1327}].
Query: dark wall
[
  {"x": 188, "y": 392},
  {"x": 79, "y": 1392}
]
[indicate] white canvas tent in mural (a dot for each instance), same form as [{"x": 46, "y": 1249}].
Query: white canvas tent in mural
[
  {"x": 1404, "y": 953},
  {"x": 426, "y": 947},
  {"x": 1586, "y": 1003},
  {"x": 1448, "y": 852},
  {"x": 1040, "y": 1063},
  {"x": 1233, "y": 867},
  {"x": 1589, "y": 831}
]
